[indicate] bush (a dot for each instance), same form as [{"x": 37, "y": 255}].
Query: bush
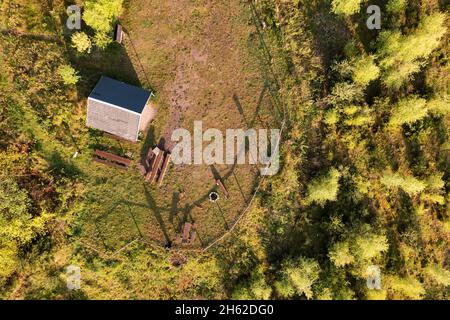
[
  {"x": 68, "y": 74},
  {"x": 81, "y": 42}
]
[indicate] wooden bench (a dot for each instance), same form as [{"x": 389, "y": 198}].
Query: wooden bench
[
  {"x": 111, "y": 160},
  {"x": 156, "y": 165},
  {"x": 113, "y": 157}
]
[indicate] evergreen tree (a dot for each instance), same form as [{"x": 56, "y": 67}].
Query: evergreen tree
[
  {"x": 346, "y": 7},
  {"x": 403, "y": 55},
  {"x": 409, "y": 184},
  {"x": 408, "y": 111},
  {"x": 323, "y": 189},
  {"x": 365, "y": 70},
  {"x": 298, "y": 277},
  {"x": 340, "y": 254}
]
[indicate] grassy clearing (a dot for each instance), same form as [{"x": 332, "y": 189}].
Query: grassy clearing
[{"x": 200, "y": 61}]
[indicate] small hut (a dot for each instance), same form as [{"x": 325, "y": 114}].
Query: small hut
[{"x": 119, "y": 109}]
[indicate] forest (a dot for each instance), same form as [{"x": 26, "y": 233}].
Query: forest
[{"x": 363, "y": 185}]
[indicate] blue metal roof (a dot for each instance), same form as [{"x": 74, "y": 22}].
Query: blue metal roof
[{"x": 120, "y": 94}]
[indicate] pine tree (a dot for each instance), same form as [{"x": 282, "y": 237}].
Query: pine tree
[
  {"x": 409, "y": 184},
  {"x": 403, "y": 55},
  {"x": 99, "y": 14},
  {"x": 407, "y": 287},
  {"x": 323, "y": 189},
  {"x": 340, "y": 254},
  {"x": 408, "y": 111},
  {"x": 298, "y": 276},
  {"x": 438, "y": 274},
  {"x": 365, "y": 70},
  {"x": 396, "y": 6},
  {"x": 370, "y": 246},
  {"x": 346, "y": 7}
]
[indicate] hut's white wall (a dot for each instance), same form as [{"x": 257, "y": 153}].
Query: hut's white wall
[{"x": 113, "y": 120}]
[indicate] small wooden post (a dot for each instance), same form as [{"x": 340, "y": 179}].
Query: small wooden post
[
  {"x": 222, "y": 187},
  {"x": 119, "y": 34}
]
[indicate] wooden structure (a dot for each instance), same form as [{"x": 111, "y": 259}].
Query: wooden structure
[
  {"x": 111, "y": 160},
  {"x": 222, "y": 187},
  {"x": 118, "y": 108},
  {"x": 118, "y": 36},
  {"x": 187, "y": 235},
  {"x": 155, "y": 166}
]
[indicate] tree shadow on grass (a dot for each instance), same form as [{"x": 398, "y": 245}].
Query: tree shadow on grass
[
  {"x": 113, "y": 62},
  {"x": 61, "y": 167},
  {"x": 156, "y": 213},
  {"x": 149, "y": 142}
]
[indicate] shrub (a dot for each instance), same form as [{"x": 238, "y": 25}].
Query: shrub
[
  {"x": 81, "y": 42},
  {"x": 68, "y": 74}
]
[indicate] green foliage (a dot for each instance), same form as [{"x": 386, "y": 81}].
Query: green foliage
[
  {"x": 408, "y": 287},
  {"x": 324, "y": 188},
  {"x": 331, "y": 117},
  {"x": 438, "y": 274},
  {"x": 102, "y": 40},
  {"x": 18, "y": 227},
  {"x": 42, "y": 123},
  {"x": 408, "y": 111},
  {"x": 346, "y": 7},
  {"x": 365, "y": 70},
  {"x": 358, "y": 250},
  {"x": 16, "y": 221},
  {"x": 298, "y": 277},
  {"x": 370, "y": 246},
  {"x": 396, "y": 6},
  {"x": 68, "y": 74},
  {"x": 435, "y": 182},
  {"x": 99, "y": 14},
  {"x": 440, "y": 105},
  {"x": 81, "y": 42},
  {"x": 255, "y": 287},
  {"x": 409, "y": 184},
  {"x": 346, "y": 93},
  {"x": 340, "y": 254},
  {"x": 403, "y": 55},
  {"x": 9, "y": 261}
]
